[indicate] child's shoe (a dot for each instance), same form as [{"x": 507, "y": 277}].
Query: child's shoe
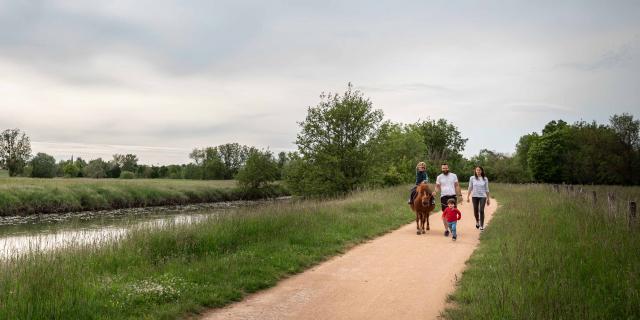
[
  {"x": 454, "y": 238},
  {"x": 446, "y": 233}
]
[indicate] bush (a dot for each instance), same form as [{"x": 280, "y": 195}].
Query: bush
[
  {"x": 392, "y": 177},
  {"x": 127, "y": 175}
]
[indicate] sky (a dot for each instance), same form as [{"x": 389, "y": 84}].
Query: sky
[{"x": 159, "y": 78}]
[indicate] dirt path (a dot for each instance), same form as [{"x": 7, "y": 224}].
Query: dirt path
[{"x": 397, "y": 276}]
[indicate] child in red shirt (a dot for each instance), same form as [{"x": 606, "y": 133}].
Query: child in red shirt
[{"x": 453, "y": 215}]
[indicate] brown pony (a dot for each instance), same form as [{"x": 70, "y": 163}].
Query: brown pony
[{"x": 422, "y": 206}]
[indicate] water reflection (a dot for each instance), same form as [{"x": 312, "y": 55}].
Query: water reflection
[{"x": 21, "y": 234}]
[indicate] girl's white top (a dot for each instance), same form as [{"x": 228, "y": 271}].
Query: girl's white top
[{"x": 478, "y": 187}]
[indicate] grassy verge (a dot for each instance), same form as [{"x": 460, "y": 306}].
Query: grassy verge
[
  {"x": 22, "y": 196},
  {"x": 551, "y": 256},
  {"x": 179, "y": 270}
]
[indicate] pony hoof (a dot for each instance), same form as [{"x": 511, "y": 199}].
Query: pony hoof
[{"x": 418, "y": 232}]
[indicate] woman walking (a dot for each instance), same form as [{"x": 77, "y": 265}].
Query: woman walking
[{"x": 479, "y": 192}]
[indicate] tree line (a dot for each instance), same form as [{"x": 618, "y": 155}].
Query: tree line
[{"x": 344, "y": 143}]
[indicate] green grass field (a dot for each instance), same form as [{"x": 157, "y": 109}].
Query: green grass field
[
  {"x": 21, "y": 196},
  {"x": 553, "y": 256},
  {"x": 4, "y": 173},
  {"x": 183, "y": 269}
]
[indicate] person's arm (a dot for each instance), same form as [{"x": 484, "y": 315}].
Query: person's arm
[
  {"x": 470, "y": 188},
  {"x": 459, "y": 214},
  {"x": 488, "y": 196},
  {"x": 457, "y": 187},
  {"x": 437, "y": 188}
]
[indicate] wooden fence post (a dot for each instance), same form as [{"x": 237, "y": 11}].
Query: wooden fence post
[
  {"x": 556, "y": 188},
  {"x": 594, "y": 196},
  {"x": 633, "y": 218},
  {"x": 611, "y": 199}
]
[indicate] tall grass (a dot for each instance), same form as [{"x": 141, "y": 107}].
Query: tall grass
[
  {"x": 182, "y": 269},
  {"x": 22, "y": 196},
  {"x": 552, "y": 256}
]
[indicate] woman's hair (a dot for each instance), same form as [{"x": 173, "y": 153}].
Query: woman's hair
[
  {"x": 421, "y": 163},
  {"x": 481, "y": 172}
]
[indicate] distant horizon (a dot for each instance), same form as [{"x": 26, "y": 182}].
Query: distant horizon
[
  {"x": 106, "y": 151},
  {"x": 96, "y": 78}
]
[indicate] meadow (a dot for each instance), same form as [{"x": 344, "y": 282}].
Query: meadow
[
  {"x": 23, "y": 196},
  {"x": 548, "y": 255},
  {"x": 183, "y": 269}
]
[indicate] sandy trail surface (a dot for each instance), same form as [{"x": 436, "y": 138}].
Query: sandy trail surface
[{"x": 399, "y": 275}]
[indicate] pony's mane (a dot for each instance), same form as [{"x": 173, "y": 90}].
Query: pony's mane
[{"x": 423, "y": 187}]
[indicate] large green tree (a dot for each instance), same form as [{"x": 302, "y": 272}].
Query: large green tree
[
  {"x": 333, "y": 142},
  {"x": 395, "y": 151},
  {"x": 15, "y": 150},
  {"x": 96, "y": 168},
  {"x": 547, "y": 157},
  {"x": 443, "y": 143},
  {"x": 43, "y": 166},
  {"x": 259, "y": 170}
]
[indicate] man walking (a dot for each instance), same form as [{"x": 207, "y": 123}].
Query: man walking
[{"x": 447, "y": 184}]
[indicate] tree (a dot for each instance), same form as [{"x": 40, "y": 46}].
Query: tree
[
  {"x": 627, "y": 129},
  {"x": 259, "y": 170},
  {"x": 43, "y": 166},
  {"x": 70, "y": 170},
  {"x": 395, "y": 151},
  {"x": 127, "y": 162},
  {"x": 80, "y": 164},
  {"x": 233, "y": 156},
  {"x": 333, "y": 141},
  {"x": 96, "y": 168},
  {"x": 282, "y": 161},
  {"x": 443, "y": 142},
  {"x": 15, "y": 150},
  {"x": 547, "y": 157},
  {"x": 522, "y": 153}
]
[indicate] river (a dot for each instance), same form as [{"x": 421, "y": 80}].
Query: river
[{"x": 45, "y": 232}]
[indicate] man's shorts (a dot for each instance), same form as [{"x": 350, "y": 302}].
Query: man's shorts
[{"x": 445, "y": 199}]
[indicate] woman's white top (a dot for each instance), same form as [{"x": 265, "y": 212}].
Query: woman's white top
[{"x": 478, "y": 187}]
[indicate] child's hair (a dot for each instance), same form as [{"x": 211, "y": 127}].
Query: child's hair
[
  {"x": 451, "y": 201},
  {"x": 421, "y": 163}
]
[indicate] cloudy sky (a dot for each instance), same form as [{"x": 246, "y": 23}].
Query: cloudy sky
[{"x": 158, "y": 78}]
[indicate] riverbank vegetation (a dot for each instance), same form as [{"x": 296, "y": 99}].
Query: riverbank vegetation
[
  {"x": 548, "y": 255},
  {"x": 21, "y": 196},
  {"x": 182, "y": 269}
]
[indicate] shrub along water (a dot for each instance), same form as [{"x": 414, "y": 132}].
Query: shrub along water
[
  {"x": 22, "y": 196},
  {"x": 551, "y": 256},
  {"x": 182, "y": 269}
]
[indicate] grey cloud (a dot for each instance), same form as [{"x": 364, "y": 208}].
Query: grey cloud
[{"x": 613, "y": 58}]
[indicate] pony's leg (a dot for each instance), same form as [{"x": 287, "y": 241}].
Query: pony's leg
[
  {"x": 417, "y": 222},
  {"x": 428, "y": 228}
]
